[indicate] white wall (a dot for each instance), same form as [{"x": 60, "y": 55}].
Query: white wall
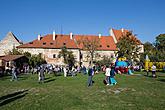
[{"x": 47, "y": 54}]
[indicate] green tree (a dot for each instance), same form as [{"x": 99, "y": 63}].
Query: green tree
[
  {"x": 67, "y": 56},
  {"x": 160, "y": 48},
  {"x": 148, "y": 50},
  {"x": 155, "y": 51},
  {"x": 105, "y": 61},
  {"x": 63, "y": 53},
  {"x": 15, "y": 51},
  {"x": 128, "y": 47},
  {"x": 70, "y": 58},
  {"x": 27, "y": 54},
  {"x": 160, "y": 42},
  {"x": 33, "y": 60}
]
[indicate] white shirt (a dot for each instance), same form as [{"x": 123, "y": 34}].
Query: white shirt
[
  {"x": 153, "y": 68},
  {"x": 107, "y": 72}
]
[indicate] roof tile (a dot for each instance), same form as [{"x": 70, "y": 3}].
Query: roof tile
[{"x": 62, "y": 40}]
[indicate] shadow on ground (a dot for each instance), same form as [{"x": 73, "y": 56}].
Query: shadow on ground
[
  {"x": 12, "y": 97},
  {"x": 22, "y": 77},
  {"x": 50, "y": 80},
  {"x": 162, "y": 80}
]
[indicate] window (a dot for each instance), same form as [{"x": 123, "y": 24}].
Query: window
[
  {"x": 54, "y": 55},
  {"x": 30, "y": 42},
  {"x": 44, "y": 43},
  {"x": 7, "y": 64},
  {"x": 51, "y": 43},
  {"x": 108, "y": 46},
  {"x": 100, "y": 45},
  {"x": 112, "y": 55},
  {"x": 64, "y": 43}
]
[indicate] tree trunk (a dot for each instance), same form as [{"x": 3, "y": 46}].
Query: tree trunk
[{"x": 91, "y": 60}]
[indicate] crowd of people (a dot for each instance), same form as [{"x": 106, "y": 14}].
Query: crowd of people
[{"x": 109, "y": 71}]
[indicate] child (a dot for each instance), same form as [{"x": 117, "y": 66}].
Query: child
[
  {"x": 112, "y": 74},
  {"x": 153, "y": 71},
  {"x": 107, "y": 75}
]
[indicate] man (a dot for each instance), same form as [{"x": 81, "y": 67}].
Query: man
[
  {"x": 90, "y": 75},
  {"x": 153, "y": 71},
  {"x": 14, "y": 76},
  {"x": 41, "y": 74}
]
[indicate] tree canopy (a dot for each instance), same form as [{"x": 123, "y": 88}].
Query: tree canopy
[
  {"x": 67, "y": 56},
  {"x": 128, "y": 47},
  {"x": 33, "y": 60},
  {"x": 156, "y": 50}
]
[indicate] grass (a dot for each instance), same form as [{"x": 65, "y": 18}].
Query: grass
[{"x": 136, "y": 92}]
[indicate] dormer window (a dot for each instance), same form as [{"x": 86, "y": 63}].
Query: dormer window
[
  {"x": 51, "y": 43},
  {"x": 54, "y": 55},
  {"x": 108, "y": 46},
  {"x": 100, "y": 45},
  {"x": 64, "y": 43},
  {"x": 44, "y": 43},
  {"x": 30, "y": 42}
]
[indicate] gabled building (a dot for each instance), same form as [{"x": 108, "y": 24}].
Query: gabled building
[
  {"x": 8, "y": 43},
  {"x": 50, "y": 45},
  {"x": 8, "y": 61},
  {"x": 117, "y": 34}
]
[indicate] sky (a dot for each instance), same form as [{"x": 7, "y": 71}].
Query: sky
[{"x": 28, "y": 18}]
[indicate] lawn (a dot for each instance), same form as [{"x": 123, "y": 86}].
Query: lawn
[{"x": 135, "y": 92}]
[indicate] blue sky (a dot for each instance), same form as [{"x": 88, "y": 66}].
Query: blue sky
[{"x": 28, "y": 18}]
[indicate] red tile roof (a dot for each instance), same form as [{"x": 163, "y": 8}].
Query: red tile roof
[
  {"x": 11, "y": 57},
  {"x": 61, "y": 40},
  {"x": 48, "y": 42},
  {"x": 106, "y": 42},
  {"x": 118, "y": 34}
]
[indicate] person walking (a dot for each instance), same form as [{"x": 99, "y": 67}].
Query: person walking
[
  {"x": 153, "y": 71},
  {"x": 41, "y": 74},
  {"x": 14, "y": 73}
]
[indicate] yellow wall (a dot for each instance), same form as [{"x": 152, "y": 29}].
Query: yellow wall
[{"x": 159, "y": 65}]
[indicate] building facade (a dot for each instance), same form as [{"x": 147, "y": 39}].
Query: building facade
[
  {"x": 50, "y": 45},
  {"x": 8, "y": 43}
]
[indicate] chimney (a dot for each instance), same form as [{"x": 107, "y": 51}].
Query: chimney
[
  {"x": 54, "y": 35},
  {"x": 99, "y": 35},
  {"x": 122, "y": 29},
  {"x": 113, "y": 35},
  {"x": 71, "y": 35},
  {"x": 39, "y": 37}
]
